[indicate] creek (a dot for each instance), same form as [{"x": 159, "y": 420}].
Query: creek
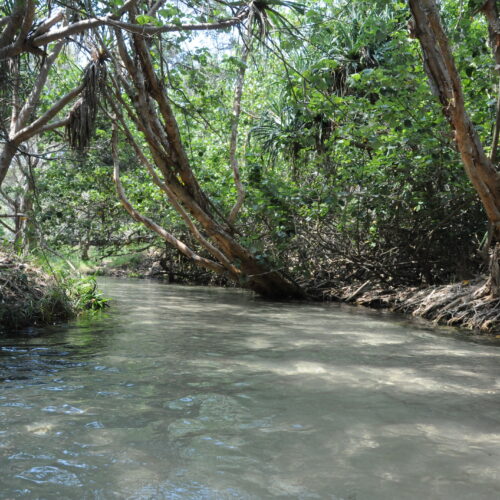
[{"x": 205, "y": 393}]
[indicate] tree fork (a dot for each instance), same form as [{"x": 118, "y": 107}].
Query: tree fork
[{"x": 160, "y": 130}]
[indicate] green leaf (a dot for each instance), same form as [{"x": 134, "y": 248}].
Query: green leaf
[{"x": 143, "y": 19}]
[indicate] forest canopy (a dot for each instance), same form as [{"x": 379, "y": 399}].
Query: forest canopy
[{"x": 281, "y": 145}]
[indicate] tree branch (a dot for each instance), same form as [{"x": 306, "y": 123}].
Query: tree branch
[
  {"x": 40, "y": 124},
  {"x": 139, "y": 29},
  {"x": 34, "y": 96},
  {"x": 235, "y": 121},
  {"x": 169, "y": 238},
  {"x": 22, "y": 21},
  {"x": 171, "y": 197},
  {"x": 441, "y": 70}
]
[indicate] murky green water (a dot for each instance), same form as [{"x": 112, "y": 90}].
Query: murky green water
[{"x": 193, "y": 393}]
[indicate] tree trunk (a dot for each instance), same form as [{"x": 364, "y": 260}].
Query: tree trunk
[
  {"x": 84, "y": 250},
  {"x": 494, "y": 280},
  {"x": 445, "y": 82},
  {"x": 153, "y": 116},
  {"x": 28, "y": 227},
  {"x": 6, "y": 157}
]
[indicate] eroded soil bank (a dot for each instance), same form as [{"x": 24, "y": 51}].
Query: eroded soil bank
[
  {"x": 28, "y": 295},
  {"x": 467, "y": 304}
]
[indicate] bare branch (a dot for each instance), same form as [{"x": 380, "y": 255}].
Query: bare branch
[
  {"x": 33, "y": 98},
  {"x": 47, "y": 24},
  {"x": 233, "y": 145},
  {"x": 171, "y": 197},
  {"x": 14, "y": 22},
  {"x": 169, "y": 238},
  {"x": 53, "y": 125},
  {"x": 39, "y": 125},
  {"x": 496, "y": 131},
  {"x": 4, "y": 224},
  {"x": 154, "y": 9},
  {"x": 22, "y": 21},
  {"x": 139, "y": 29}
]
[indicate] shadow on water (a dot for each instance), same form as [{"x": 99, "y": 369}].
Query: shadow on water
[{"x": 199, "y": 393}]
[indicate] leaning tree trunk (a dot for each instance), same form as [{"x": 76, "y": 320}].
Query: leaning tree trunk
[
  {"x": 445, "y": 82},
  {"x": 149, "y": 108}
]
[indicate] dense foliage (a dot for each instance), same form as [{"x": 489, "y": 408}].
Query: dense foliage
[{"x": 349, "y": 169}]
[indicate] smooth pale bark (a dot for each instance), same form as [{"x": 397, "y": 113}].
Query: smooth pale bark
[
  {"x": 25, "y": 234},
  {"x": 22, "y": 126},
  {"x": 20, "y": 205},
  {"x": 233, "y": 143},
  {"x": 15, "y": 33}
]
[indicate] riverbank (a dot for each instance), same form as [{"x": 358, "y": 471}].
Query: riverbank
[
  {"x": 29, "y": 296},
  {"x": 155, "y": 265},
  {"x": 467, "y": 304}
]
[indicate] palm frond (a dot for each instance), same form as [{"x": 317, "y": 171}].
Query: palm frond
[
  {"x": 279, "y": 129},
  {"x": 263, "y": 15}
]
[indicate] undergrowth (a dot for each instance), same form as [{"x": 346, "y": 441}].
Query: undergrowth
[{"x": 30, "y": 295}]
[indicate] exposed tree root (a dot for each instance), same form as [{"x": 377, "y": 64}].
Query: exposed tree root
[{"x": 468, "y": 304}]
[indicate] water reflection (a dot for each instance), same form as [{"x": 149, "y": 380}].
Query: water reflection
[{"x": 204, "y": 393}]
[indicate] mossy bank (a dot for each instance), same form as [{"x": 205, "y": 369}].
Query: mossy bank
[{"x": 31, "y": 296}]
